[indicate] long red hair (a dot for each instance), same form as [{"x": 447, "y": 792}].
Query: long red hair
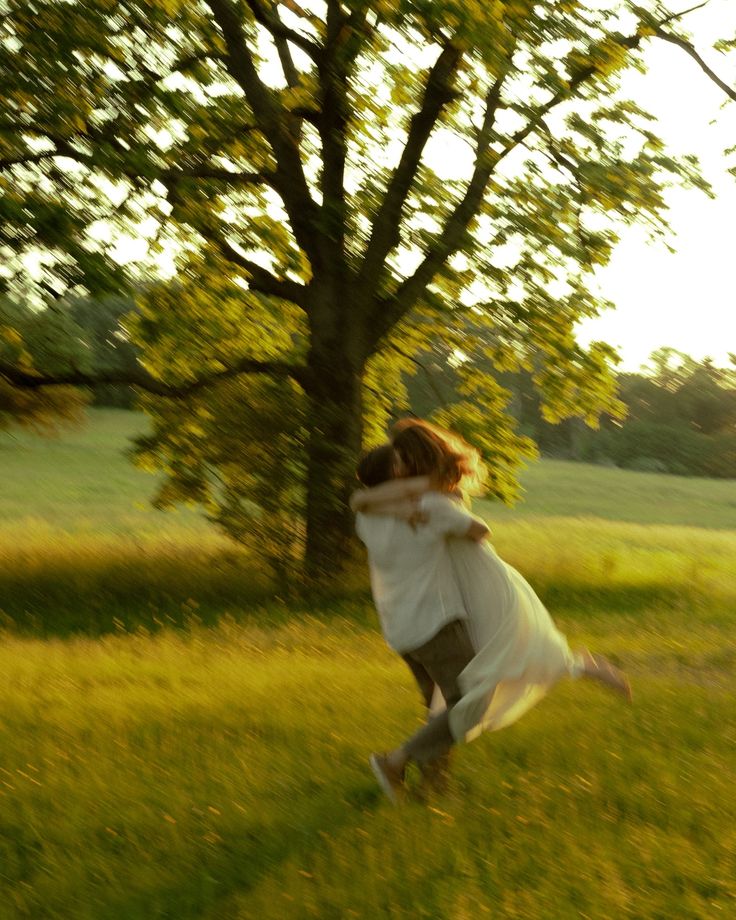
[{"x": 427, "y": 450}]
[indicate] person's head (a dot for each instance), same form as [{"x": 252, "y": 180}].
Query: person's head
[
  {"x": 426, "y": 450},
  {"x": 377, "y": 466}
]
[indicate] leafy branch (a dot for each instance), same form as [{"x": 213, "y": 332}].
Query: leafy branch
[{"x": 31, "y": 379}]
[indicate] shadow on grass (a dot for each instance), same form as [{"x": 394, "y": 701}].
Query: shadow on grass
[
  {"x": 97, "y": 590},
  {"x": 63, "y": 594},
  {"x": 94, "y": 595},
  {"x": 580, "y": 598}
]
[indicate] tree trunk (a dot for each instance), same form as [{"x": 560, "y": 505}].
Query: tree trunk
[{"x": 336, "y": 420}]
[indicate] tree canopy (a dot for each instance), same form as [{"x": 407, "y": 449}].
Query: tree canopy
[{"x": 341, "y": 182}]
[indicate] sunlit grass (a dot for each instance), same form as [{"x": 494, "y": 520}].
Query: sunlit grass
[
  {"x": 221, "y": 772},
  {"x": 563, "y": 488},
  {"x": 175, "y": 743},
  {"x": 82, "y": 482}
]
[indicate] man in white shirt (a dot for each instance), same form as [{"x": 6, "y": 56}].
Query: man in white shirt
[{"x": 421, "y": 610}]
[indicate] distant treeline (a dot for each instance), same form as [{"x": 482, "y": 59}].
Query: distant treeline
[
  {"x": 680, "y": 416},
  {"x": 109, "y": 348}
]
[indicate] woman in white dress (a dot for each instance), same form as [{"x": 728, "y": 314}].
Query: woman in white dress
[{"x": 520, "y": 653}]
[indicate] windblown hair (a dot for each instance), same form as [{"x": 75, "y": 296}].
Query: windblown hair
[
  {"x": 427, "y": 450},
  {"x": 377, "y": 465}
]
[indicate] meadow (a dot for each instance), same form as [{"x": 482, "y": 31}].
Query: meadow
[{"x": 176, "y": 742}]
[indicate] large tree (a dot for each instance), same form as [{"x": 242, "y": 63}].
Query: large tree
[{"x": 295, "y": 155}]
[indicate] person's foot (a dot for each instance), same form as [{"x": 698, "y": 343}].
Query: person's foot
[
  {"x": 601, "y": 669},
  {"x": 390, "y": 778},
  {"x": 436, "y": 775}
]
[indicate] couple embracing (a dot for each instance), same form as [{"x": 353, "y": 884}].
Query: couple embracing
[{"x": 481, "y": 645}]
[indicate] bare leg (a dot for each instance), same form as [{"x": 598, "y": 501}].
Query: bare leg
[{"x": 596, "y": 667}]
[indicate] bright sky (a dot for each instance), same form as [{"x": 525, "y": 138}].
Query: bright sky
[{"x": 686, "y": 299}]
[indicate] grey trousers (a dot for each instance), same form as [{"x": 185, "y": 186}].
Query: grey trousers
[{"x": 438, "y": 662}]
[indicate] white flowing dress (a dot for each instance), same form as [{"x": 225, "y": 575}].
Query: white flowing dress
[{"x": 520, "y": 653}]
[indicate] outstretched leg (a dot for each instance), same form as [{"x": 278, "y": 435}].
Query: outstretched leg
[{"x": 596, "y": 667}]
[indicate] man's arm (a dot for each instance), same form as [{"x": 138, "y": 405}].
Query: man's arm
[
  {"x": 373, "y": 501},
  {"x": 406, "y": 509}
]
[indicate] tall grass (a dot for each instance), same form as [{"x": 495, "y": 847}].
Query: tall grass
[
  {"x": 176, "y": 743},
  {"x": 221, "y": 772}
]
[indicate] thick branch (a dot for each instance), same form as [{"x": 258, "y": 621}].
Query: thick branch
[
  {"x": 279, "y": 31},
  {"x": 391, "y": 309},
  {"x": 259, "y": 278},
  {"x": 294, "y": 8},
  {"x": 280, "y": 35},
  {"x": 291, "y": 73},
  {"x": 385, "y": 232},
  {"x": 218, "y": 174},
  {"x": 32, "y": 380},
  {"x": 289, "y": 179},
  {"x": 688, "y": 49},
  {"x": 332, "y": 127}
]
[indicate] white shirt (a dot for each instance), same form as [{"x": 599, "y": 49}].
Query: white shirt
[{"x": 412, "y": 578}]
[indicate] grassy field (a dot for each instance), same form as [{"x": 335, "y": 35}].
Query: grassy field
[
  {"x": 82, "y": 482},
  {"x": 176, "y": 743},
  {"x": 563, "y": 488}
]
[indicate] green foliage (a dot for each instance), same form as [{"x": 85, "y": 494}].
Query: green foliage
[
  {"x": 480, "y": 416},
  {"x": 49, "y": 339},
  {"x": 238, "y": 452},
  {"x": 678, "y": 417},
  {"x": 289, "y": 155},
  {"x": 237, "y": 447},
  {"x": 206, "y": 320},
  {"x": 681, "y": 418}
]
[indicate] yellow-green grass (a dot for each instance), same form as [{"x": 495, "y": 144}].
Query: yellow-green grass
[
  {"x": 82, "y": 481},
  {"x": 221, "y": 773},
  {"x": 563, "y": 488},
  {"x": 174, "y": 743}
]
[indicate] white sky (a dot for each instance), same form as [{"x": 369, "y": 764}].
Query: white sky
[{"x": 686, "y": 299}]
